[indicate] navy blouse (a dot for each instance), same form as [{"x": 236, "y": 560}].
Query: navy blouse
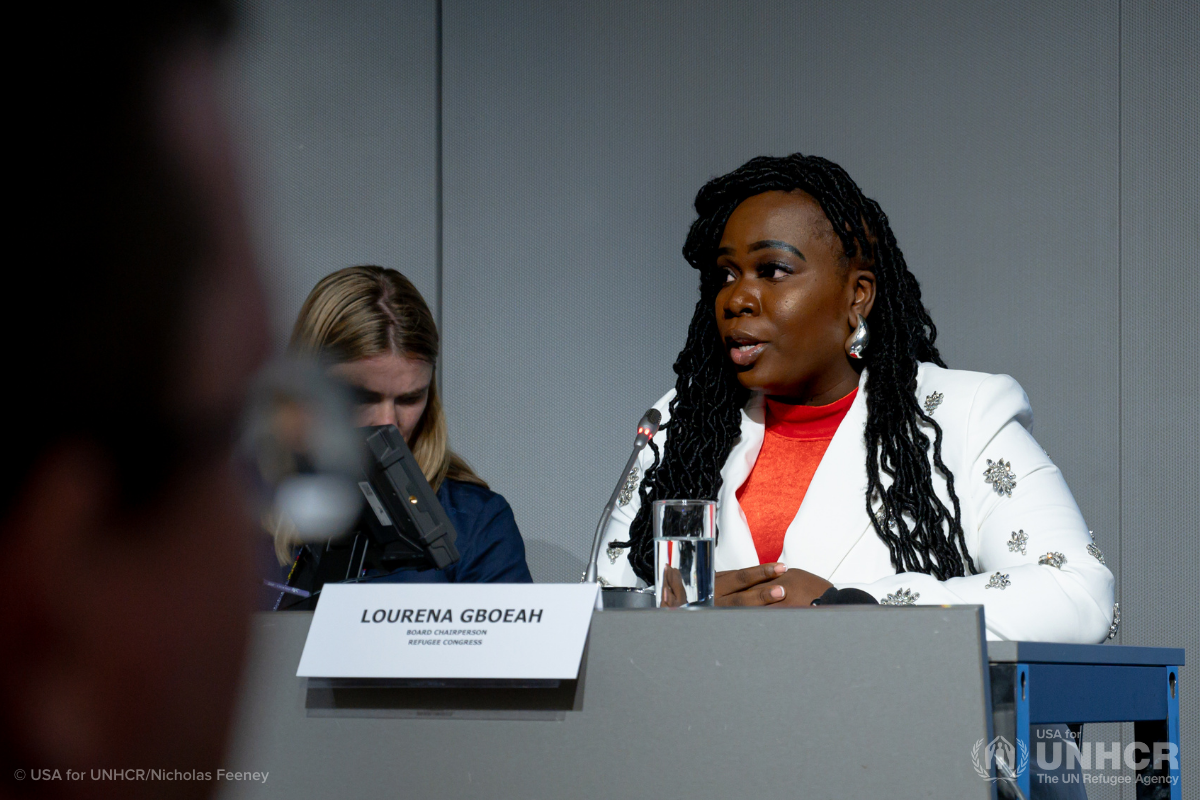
[{"x": 490, "y": 546}]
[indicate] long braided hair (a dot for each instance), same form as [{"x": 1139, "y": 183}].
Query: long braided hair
[{"x": 921, "y": 533}]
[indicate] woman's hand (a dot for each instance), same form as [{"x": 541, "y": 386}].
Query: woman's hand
[
  {"x": 752, "y": 586},
  {"x": 769, "y": 585},
  {"x": 673, "y": 593},
  {"x": 800, "y": 587}
]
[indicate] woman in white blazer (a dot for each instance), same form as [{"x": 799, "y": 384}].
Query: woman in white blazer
[{"x": 932, "y": 490}]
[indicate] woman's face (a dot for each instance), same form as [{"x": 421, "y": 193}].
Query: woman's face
[
  {"x": 789, "y": 301},
  {"x": 390, "y": 389}
]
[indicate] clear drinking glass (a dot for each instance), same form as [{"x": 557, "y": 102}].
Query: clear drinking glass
[{"x": 684, "y": 551}]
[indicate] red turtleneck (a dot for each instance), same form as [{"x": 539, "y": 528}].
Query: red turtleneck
[{"x": 796, "y": 440}]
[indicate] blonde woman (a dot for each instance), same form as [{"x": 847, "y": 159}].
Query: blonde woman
[{"x": 375, "y": 329}]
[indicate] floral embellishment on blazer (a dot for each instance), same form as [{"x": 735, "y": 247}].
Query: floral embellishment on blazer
[
  {"x": 884, "y": 519},
  {"x": 630, "y": 487},
  {"x": 1017, "y": 542},
  {"x": 1116, "y": 621},
  {"x": 1055, "y": 560},
  {"x": 903, "y": 597},
  {"x": 999, "y": 580},
  {"x": 1000, "y": 475},
  {"x": 932, "y": 401},
  {"x": 1095, "y": 553}
]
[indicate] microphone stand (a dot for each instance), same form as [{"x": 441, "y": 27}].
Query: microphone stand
[{"x": 646, "y": 430}]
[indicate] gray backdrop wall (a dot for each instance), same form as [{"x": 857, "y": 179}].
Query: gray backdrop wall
[{"x": 532, "y": 165}]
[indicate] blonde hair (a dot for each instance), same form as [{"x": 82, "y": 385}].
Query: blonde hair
[{"x": 366, "y": 311}]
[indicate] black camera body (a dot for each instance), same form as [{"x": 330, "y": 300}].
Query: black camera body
[{"x": 402, "y": 525}]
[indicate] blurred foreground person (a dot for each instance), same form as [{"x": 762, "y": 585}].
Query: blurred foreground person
[{"x": 126, "y": 546}]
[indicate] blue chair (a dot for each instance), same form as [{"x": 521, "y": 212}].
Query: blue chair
[{"x": 1035, "y": 683}]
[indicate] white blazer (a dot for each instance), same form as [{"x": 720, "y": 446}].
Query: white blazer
[{"x": 1041, "y": 576}]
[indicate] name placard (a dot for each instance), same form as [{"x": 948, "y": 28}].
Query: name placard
[{"x": 499, "y": 630}]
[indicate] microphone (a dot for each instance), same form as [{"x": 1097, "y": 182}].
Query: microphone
[{"x": 645, "y": 432}]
